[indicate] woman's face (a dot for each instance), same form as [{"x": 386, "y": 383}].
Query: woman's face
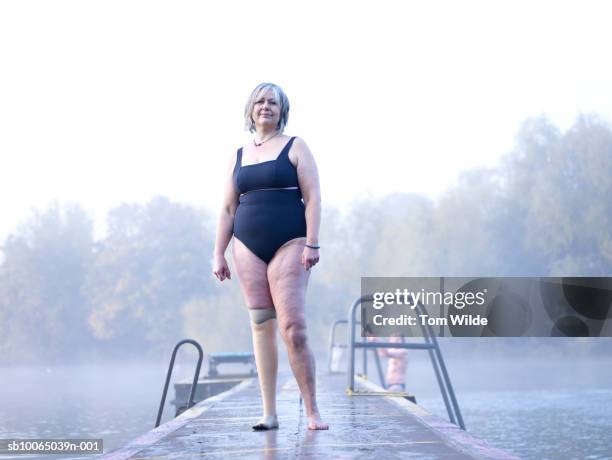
[{"x": 266, "y": 110}]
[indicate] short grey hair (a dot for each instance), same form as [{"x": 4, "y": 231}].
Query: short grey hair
[{"x": 280, "y": 96}]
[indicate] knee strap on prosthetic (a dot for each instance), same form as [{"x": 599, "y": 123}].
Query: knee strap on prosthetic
[{"x": 261, "y": 315}]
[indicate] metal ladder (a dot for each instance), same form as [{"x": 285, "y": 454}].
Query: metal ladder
[
  {"x": 431, "y": 345},
  {"x": 194, "y": 384}
]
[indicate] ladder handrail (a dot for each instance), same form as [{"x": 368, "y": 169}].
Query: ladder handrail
[
  {"x": 333, "y": 344},
  {"x": 190, "y": 402},
  {"x": 332, "y": 341},
  {"x": 432, "y": 337},
  {"x": 431, "y": 344}
]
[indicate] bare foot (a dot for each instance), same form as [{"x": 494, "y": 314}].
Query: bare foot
[{"x": 315, "y": 423}]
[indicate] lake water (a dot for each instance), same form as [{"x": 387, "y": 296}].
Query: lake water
[
  {"x": 539, "y": 424},
  {"x": 538, "y": 410}
]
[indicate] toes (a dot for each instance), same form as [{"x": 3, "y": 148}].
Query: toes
[{"x": 318, "y": 426}]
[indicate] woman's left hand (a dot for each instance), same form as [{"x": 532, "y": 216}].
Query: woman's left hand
[{"x": 310, "y": 257}]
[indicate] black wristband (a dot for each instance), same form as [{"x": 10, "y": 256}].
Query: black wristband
[{"x": 312, "y": 247}]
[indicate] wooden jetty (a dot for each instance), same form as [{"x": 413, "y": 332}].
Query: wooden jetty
[{"x": 361, "y": 426}]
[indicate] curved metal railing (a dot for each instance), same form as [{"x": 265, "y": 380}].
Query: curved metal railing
[{"x": 190, "y": 402}]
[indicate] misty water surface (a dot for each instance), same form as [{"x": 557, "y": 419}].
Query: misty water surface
[{"x": 537, "y": 409}]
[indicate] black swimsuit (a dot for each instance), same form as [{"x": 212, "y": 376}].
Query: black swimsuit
[{"x": 268, "y": 215}]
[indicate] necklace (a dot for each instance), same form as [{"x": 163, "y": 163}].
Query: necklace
[{"x": 263, "y": 142}]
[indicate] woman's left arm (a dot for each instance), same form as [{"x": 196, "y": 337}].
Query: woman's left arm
[{"x": 308, "y": 177}]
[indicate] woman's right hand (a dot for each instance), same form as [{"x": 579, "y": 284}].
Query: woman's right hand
[{"x": 220, "y": 268}]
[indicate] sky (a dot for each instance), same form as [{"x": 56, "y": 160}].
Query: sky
[{"x": 119, "y": 101}]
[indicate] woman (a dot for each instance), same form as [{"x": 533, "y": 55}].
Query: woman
[
  {"x": 275, "y": 244},
  {"x": 396, "y": 365},
  {"x": 395, "y": 378}
]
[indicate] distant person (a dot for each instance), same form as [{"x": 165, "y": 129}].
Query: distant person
[
  {"x": 272, "y": 207},
  {"x": 395, "y": 378}
]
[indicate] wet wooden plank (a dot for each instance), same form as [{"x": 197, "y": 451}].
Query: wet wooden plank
[{"x": 360, "y": 427}]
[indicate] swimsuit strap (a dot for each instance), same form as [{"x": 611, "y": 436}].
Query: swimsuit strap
[
  {"x": 237, "y": 168},
  {"x": 287, "y": 147},
  {"x": 239, "y": 159}
]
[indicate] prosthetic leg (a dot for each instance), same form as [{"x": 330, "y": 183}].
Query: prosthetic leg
[{"x": 266, "y": 359}]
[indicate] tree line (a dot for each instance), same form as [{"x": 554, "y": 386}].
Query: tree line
[{"x": 545, "y": 210}]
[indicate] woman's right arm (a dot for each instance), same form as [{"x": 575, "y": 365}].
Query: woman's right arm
[{"x": 225, "y": 225}]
